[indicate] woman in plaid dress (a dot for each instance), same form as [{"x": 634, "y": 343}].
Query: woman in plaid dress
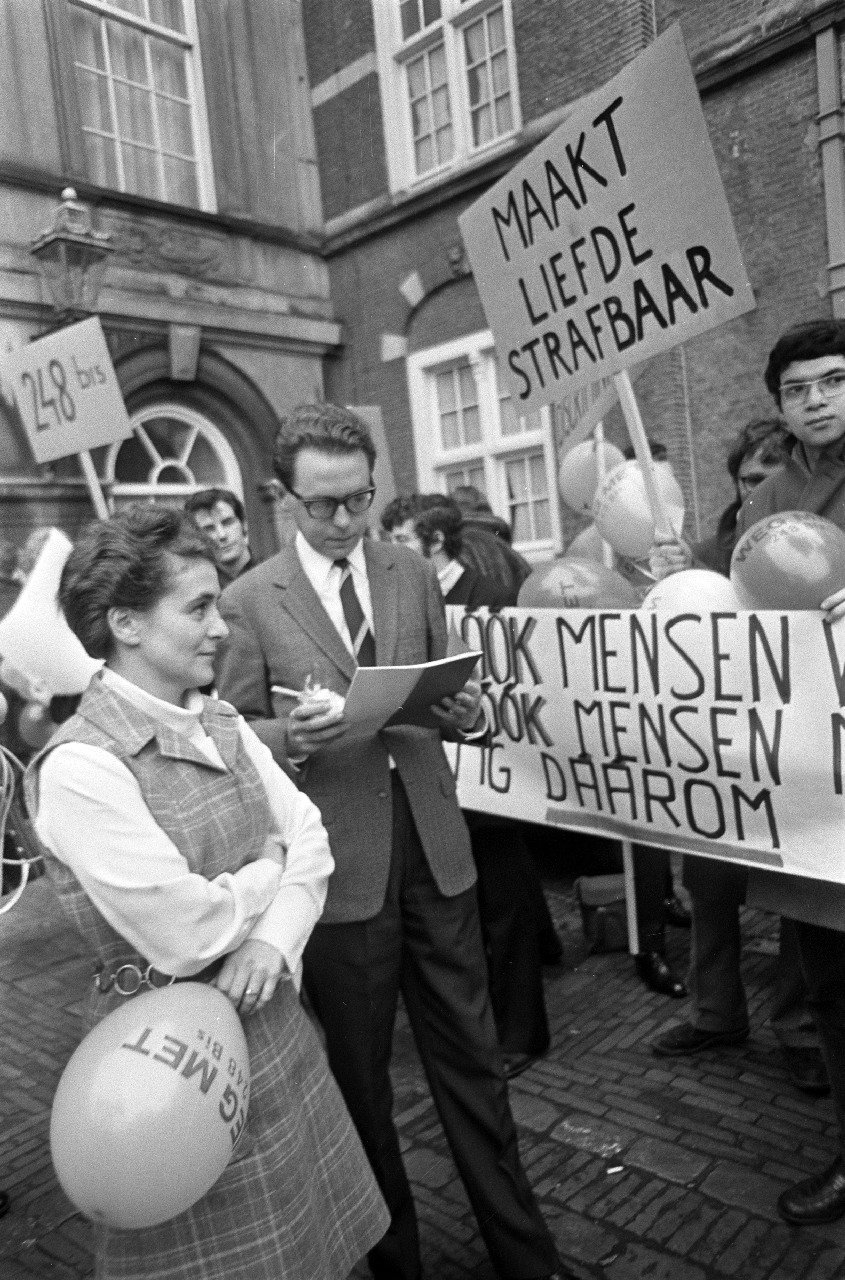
[{"x": 180, "y": 850}]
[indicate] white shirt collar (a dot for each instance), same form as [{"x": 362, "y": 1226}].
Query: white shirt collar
[
  {"x": 448, "y": 576},
  {"x": 179, "y": 718},
  {"x": 319, "y": 567}
]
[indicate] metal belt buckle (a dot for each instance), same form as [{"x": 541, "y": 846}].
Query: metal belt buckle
[{"x": 128, "y": 979}]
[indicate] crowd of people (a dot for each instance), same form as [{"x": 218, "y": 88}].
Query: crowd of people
[{"x": 251, "y": 841}]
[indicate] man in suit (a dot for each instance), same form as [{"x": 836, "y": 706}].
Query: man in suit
[
  {"x": 401, "y": 912},
  {"x": 510, "y": 895}
]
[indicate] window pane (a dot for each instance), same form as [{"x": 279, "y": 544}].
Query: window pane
[
  {"x": 472, "y": 425},
  {"x": 440, "y": 104},
  {"x": 133, "y": 463},
  {"x": 445, "y": 144},
  {"x": 126, "y": 50},
  {"x": 420, "y": 118},
  {"x": 130, "y": 6},
  {"x": 140, "y": 170},
  {"x": 468, "y": 391},
  {"x": 174, "y": 122},
  {"x": 94, "y": 103},
  {"x": 474, "y": 41},
  {"x": 134, "y": 114},
  {"x": 169, "y": 435},
  {"x": 205, "y": 466},
  {"x": 521, "y": 521},
  {"x": 424, "y": 155},
  {"x": 169, "y": 69},
  {"x": 168, "y": 13},
  {"x": 499, "y": 67},
  {"x": 496, "y": 30},
  {"x": 416, "y": 78},
  {"x": 504, "y": 115},
  {"x": 410, "y": 16},
  {"x": 482, "y": 126},
  {"x": 517, "y": 481},
  {"x": 450, "y": 431},
  {"x": 87, "y": 42},
  {"x": 446, "y": 392},
  {"x": 431, "y": 11},
  {"x": 477, "y": 85},
  {"x": 537, "y": 468},
  {"x": 180, "y": 180},
  {"x": 542, "y": 520},
  {"x": 437, "y": 66},
  {"x": 102, "y": 160}
]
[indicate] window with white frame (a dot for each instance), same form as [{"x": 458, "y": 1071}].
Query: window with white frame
[
  {"x": 447, "y": 72},
  {"x": 467, "y": 431},
  {"x": 141, "y": 101},
  {"x": 172, "y": 452}
]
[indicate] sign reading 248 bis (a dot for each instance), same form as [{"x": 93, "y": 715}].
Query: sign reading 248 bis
[{"x": 67, "y": 392}]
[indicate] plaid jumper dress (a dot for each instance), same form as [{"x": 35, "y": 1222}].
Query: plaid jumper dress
[{"x": 298, "y": 1200}]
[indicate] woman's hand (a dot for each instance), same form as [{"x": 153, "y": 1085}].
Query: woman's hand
[{"x": 250, "y": 975}]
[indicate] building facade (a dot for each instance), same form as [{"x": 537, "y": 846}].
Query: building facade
[
  {"x": 420, "y": 105},
  {"x": 186, "y": 127}
]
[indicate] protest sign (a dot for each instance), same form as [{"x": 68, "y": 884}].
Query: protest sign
[
  {"x": 67, "y": 392},
  {"x": 720, "y": 734},
  {"x": 612, "y": 240}
]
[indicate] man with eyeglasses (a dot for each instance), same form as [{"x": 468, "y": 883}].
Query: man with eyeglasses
[
  {"x": 806, "y": 376},
  {"x": 401, "y": 913}
]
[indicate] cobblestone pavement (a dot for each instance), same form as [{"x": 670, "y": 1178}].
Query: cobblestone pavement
[{"x": 646, "y": 1169}]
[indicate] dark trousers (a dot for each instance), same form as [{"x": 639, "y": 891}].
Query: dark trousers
[
  {"x": 508, "y": 884},
  {"x": 822, "y": 955},
  {"x": 717, "y": 891},
  {"x": 652, "y": 886},
  {"x": 429, "y": 948}
]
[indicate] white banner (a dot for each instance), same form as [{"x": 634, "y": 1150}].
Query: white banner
[{"x": 712, "y": 733}]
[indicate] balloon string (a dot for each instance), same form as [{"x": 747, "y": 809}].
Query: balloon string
[{"x": 11, "y": 770}]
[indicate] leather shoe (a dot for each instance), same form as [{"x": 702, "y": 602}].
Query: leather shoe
[
  {"x": 675, "y": 913},
  {"x": 656, "y": 974},
  {"x": 817, "y": 1199},
  {"x": 516, "y": 1063},
  {"x": 685, "y": 1039},
  {"x": 806, "y": 1070},
  {"x": 4, "y": 1203}
]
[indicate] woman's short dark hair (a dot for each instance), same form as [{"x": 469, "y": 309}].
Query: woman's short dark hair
[
  {"x": 808, "y": 341},
  {"x": 322, "y": 426},
  {"x": 124, "y": 563}
]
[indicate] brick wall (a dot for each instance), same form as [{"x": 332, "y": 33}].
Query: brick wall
[{"x": 764, "y": 134}]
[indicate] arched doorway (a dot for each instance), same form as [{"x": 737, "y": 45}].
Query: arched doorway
[{"x": 173, "y": 451}]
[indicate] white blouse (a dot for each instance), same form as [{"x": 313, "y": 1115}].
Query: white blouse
[{"x": 92, "y": 816}]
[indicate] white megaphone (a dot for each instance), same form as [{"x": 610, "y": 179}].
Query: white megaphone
[{"x": 34, "y": 636}]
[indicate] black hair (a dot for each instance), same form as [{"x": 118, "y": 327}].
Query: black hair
[
  {"x": 808, "y": 341},
  {"x": 124, "y": 562},
  {"x": 206, "y": 499},
  {"x": 766, "y": 436},
  {"x": 443, "y": 518},
  {"x": 399, "y": 509},
  {"x": 323, "y": 426}
]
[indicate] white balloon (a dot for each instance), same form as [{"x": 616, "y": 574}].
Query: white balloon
[
  {"x": 578, "y": 474},
  {"x": 622, "y": 512},
  {"x": 696, "y": 590}
]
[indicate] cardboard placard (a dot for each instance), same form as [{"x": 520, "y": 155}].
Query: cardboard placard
[
  {"x": 67, "y": 392},
  {"x": 612, "y": 240}
]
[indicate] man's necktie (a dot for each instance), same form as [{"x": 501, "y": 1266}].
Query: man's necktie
[{"x": 363, "y": 642}]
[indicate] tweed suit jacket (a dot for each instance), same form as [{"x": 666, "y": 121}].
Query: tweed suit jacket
[{"x": 280, "y": 634}]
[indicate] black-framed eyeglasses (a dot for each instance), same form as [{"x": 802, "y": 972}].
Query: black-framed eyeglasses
[{"x": 326, "y": 508}]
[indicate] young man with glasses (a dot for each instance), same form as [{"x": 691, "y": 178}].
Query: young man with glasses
[
  {"x": 806, "y": 376},
  {"x": 401, "y": 912}
]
